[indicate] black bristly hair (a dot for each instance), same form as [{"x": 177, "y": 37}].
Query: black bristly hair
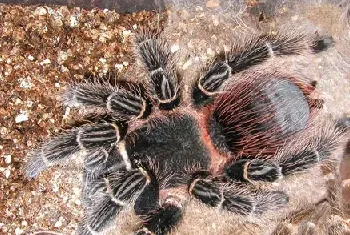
[{"x": 146, "y": 147}]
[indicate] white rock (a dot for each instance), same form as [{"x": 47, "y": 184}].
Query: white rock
[
  {"x": 62, "y": 56},
  {"x": 64, "y": 69},
  {"x": 126, "y": 33},
  {"x": 40, "y": 11},
  {"x": 30, "y": 57},
  {"x": 103, "y": 60},
  {"x": 22, "y": 117},
  {"x": 18, "y": 231},
  {"x": 8, "y": 158},
  {"x": 25, "y": 82},
  {"x": 73, "y": 21},
  {"x": 7, "y": 173},
  {"x": 77, "y": 202},
  {"x": 119, "y": 66},
  {"x": 46, "y": 61},
  {"x": 29, "y": 103},
  {"x": 174, "y": 48},
  {"x": 58, "y": 224}
]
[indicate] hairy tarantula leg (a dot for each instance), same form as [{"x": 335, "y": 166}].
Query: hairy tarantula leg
[
  {"x": 98, "y": 164},
  {"x": 254, "y": 170},
  {"x": 255, "y": 51},
  {"x": 291, "y": 160},
  {"x": 69, "y": 143},
  {"x": 158, "y": 59},
  {"x": 163, "y": 219},
  {"x": 111, "y": 194},
  {"x": 232, "y": 198},
  {"x": 124, "y": 102}
]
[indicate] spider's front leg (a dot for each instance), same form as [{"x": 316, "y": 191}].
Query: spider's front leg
[
  {"x": 85, "y": 138},
  {"x": 124, "y": 102},
  {"x": 236, "y": 198},
  {"x": 254, "y": 51},
  {"x": 158, "y": 60}
]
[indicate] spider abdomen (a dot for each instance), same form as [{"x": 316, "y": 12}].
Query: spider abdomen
[{"x": 258, "y": 114}]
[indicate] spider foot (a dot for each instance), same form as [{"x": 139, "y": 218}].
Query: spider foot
[{"x": 163, "y": 219}]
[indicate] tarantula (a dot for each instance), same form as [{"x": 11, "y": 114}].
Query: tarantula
[{"x": 154, "y": 146}]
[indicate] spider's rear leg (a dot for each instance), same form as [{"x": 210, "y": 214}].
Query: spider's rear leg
[
  {"x": 253, "y": 52},
  {"x": 164, "y": 218},
  {"x": 84, "y": 138},
  {"x": 292, "y": 158},
  {"x": 99, "y": 163},
  {"x": 235, "y": 197},
  {"x": 156, "y": 56},
  {"x": 110, "y": 195}
]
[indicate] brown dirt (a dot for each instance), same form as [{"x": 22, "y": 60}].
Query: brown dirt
[{"x": 41, "y": 50}]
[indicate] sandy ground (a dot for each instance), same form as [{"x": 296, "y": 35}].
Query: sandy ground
[
  {"x": 41, "y": 50},
  {"x": 44, "y": 48}
]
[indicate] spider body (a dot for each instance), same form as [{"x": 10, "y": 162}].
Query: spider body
[{"x": 157, "y": 150}]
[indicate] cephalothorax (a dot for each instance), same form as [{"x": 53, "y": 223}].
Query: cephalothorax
[{"x": 238, "y": 126}]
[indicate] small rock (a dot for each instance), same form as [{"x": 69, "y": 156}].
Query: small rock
[
  {"x": 29, "y": 103},
  {"x": 58, "y": 23},
  {"x": 8, "y": 158},
  {"x": 199, "y": 8},
  {"x": 103, "y": 60},
  {"x": 119, "y": 66},
  {"x": 73, "y": 22},
  {"x": 3, "y": 131},
  {"x": 212, "y": 3},
  {"x": 30, "y": 57},
  {"x": 126, "y": 33},
  {"x": 22, "y": 117},
  {"x": 64, "y": 69},
  {"x": 46, "y": 61},
  {"x": 174, "y": 48},
  {"x": 77, "y": 202},
  {"x": 18, "y": 231},
  {"x": 7, "y": 173},
  {"x": 210, "y": 52},
  {"x": 62, "y": 56},
  {"x": 295, "y": 18},
  {"x": 58, "y": 224},
  {"x": 25, "y": 83},
  {"x": 40, "y": 11},
  {"x": 76, "y": 190}
]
